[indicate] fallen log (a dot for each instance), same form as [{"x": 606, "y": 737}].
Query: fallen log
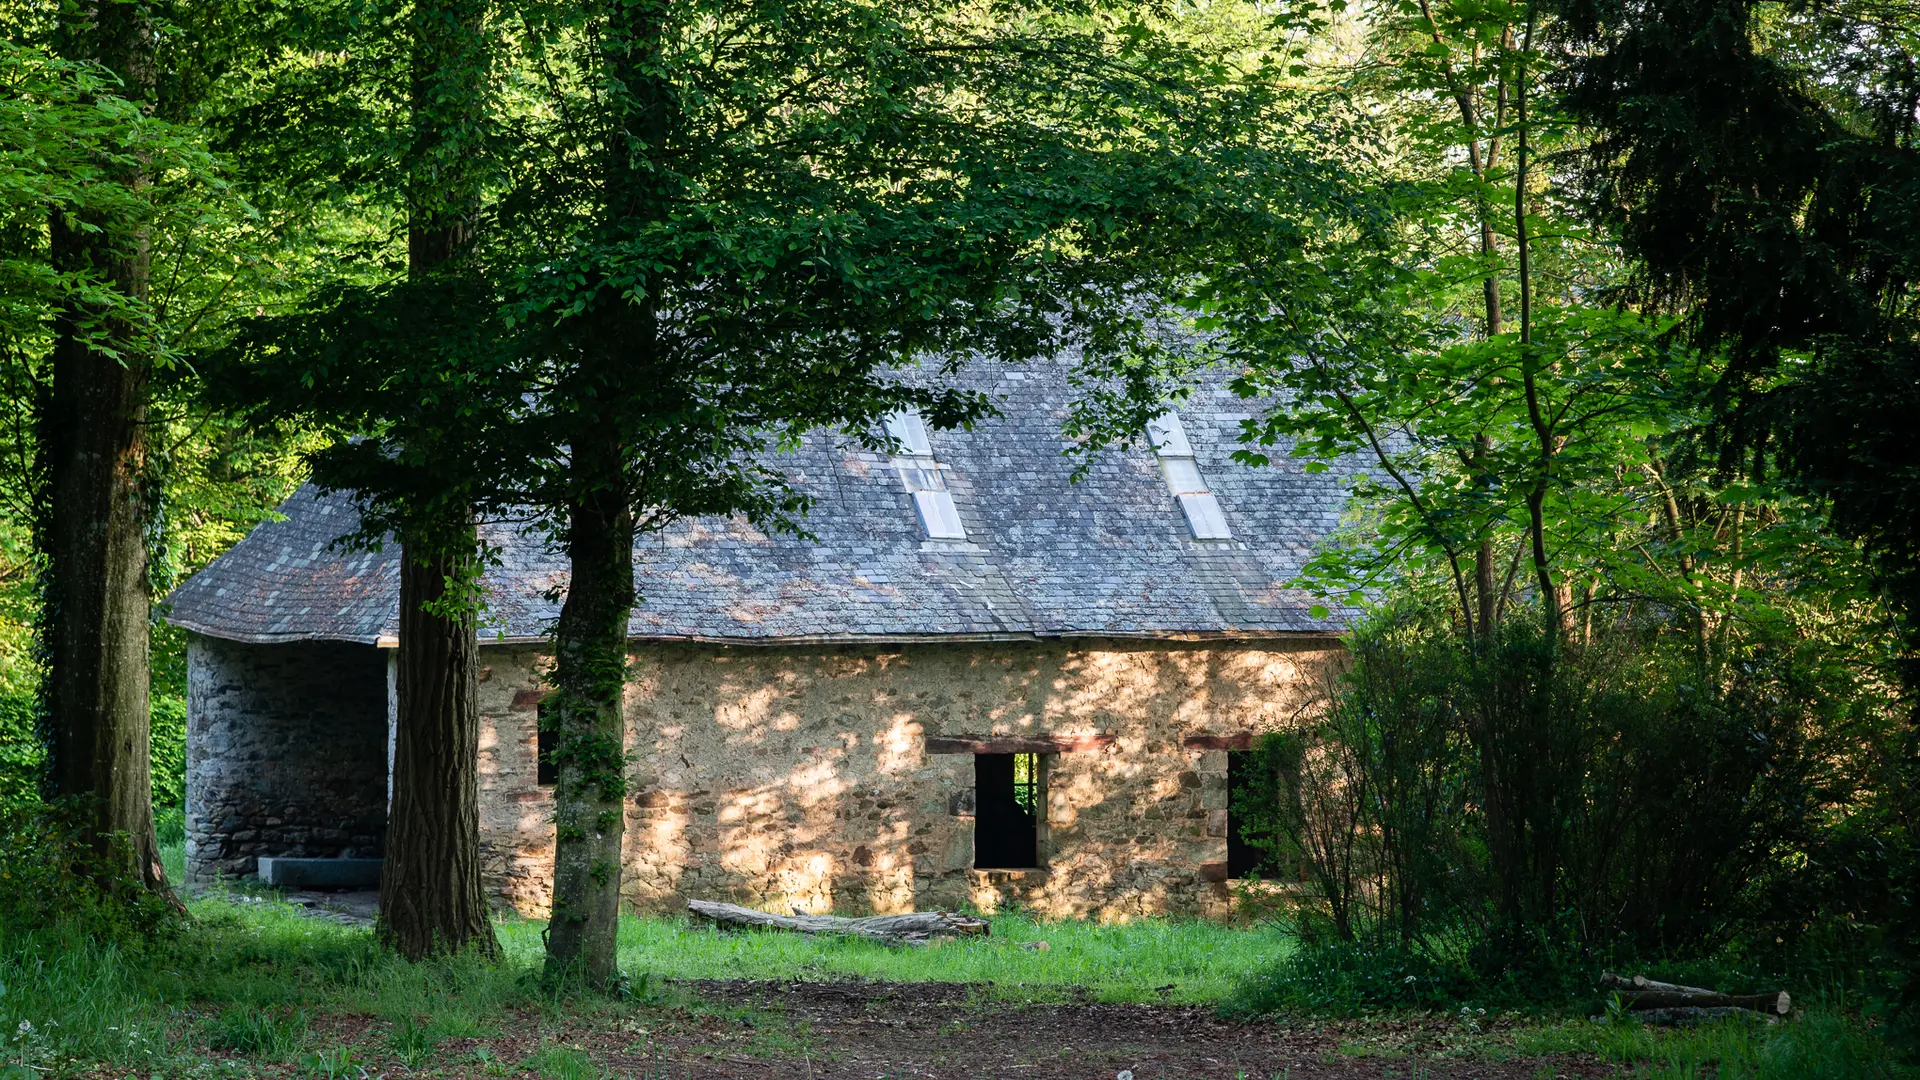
[
  {"x": 1682, "y": 1017},
  {"x": 1640, "y": 982},
  {"x": 916, "y": 928},
  {"x": 1640, "y": 992},
  {"x": 1779, "y": 1003}
]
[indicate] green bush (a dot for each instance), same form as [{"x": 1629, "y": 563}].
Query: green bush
[
  {"x": 50, "y": 875},
  {"x": 1348, "y": 977},
  {"x": 20, "y": 752},
  {"x": 1532, "y": 810},
  {"x": 167, "y": 726}
]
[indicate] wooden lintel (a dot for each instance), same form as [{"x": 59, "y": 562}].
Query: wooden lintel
[
  {"x": 1015, "y": 744},
  {"x": 1241, "y": 741},
  {"x": 526, "y": 700}
]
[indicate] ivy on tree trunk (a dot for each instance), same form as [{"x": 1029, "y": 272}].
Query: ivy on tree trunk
[
  {"x": 95, "y": 512},
  {"x": 590, "y": 672}
]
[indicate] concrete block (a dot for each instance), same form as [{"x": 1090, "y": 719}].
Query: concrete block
[{"x": 320, "y": 873}]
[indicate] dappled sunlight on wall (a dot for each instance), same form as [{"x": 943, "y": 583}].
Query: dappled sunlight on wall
[
  {"x": 899, "y": 746},
  {"x": 792, "y": 777}
]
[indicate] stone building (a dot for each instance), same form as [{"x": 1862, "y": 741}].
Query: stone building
[{"x": 978, "y": 682}]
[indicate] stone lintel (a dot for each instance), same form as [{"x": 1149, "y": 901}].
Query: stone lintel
[
  {"x": 1015, "y": 744},
  {"x": 1241, "y": 741}
]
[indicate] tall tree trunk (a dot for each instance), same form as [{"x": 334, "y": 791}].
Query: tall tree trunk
[
  {"x": 430, "y": 896},
  {"x": 590, "y": 642},
  {"x": 590, "y": 670},
  {"x": 93, "y": 433},
  {"x": 431, "y": 899}
]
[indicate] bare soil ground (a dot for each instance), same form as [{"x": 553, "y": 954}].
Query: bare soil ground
[{"x": 895, "y": 1031}]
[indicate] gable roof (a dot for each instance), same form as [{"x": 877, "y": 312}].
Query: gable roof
[{"x": 1111, "y": 555}]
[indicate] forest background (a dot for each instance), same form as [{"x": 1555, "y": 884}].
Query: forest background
[{"x": 1637, "y": 678}]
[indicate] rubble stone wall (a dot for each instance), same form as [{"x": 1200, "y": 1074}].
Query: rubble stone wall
[
  {"x": 800, "y": 776},
  {"x": 286, "y": 753}
]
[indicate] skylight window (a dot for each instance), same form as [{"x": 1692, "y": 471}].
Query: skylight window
[
  {"x": 1184, "y": 481},
  {"x": 923, "y": 477}
]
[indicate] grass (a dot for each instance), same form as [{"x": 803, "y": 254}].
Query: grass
[
  {"x": 1821, "y": 1044},
  {"x": 259, "y": 984},
  {"x": 1149, "y": 960},
  {"x": 1144, "y": 961}
]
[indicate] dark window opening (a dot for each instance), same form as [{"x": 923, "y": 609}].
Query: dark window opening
[
  {"x": 1006, "y": 822},
  {"x": 546, "y": 774},
  {"x": 1245, "y": 854}
]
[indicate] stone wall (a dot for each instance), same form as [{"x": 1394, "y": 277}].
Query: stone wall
[
  {"x": 286, "y": 753},
  {"x": 804, "y": 776}
]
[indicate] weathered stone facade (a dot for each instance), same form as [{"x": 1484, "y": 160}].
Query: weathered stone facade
[
  {"x": 836, "y": 777},
  {"x": 286, "y": 752}
]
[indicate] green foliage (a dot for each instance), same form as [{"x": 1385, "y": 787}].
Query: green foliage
[
  {"x": 1821, "y": 1045},
  {"x": 1766, "y": 181},
  {"x": 1523, "y": 809},
  {"x": 273, "y": 1034},
  {"x": 563, "y": 1063},
  {"x": 1198, "y": 961},
  {"x": 413, "y": 1041},
  {"x": 50, "y": 878},
  {"x": 1347, "y": 978},
  {"x": 1762, "y": 168},
  {"x": 167, "y": 727},
  {"x": 21, "y": 755}
]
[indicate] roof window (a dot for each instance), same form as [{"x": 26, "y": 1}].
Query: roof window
[
  {"x": 1183, "y": 478},
  {"x": 923, "y": 477}
]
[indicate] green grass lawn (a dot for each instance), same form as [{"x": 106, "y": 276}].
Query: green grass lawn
[
  {"x": 251, "y": 979},
  {"x": 1183, "y": 961},
  {"x": 1146, "y": 960}
]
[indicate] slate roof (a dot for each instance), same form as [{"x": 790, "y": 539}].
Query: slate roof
[{"x": 1109, "y": 556}]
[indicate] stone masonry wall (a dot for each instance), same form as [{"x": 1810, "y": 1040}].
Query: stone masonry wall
[
  {"x": 286, "y": 753},
  {"x": 801, "y": 776}
]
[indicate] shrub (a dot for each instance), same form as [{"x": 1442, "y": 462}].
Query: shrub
[
  {"x": 1533, "y": 808},
  {"x": 1347, "y": 977},
  {"x": 167, "y": 725},
  {"x": 20, "y": 752},
  {"x": 50, "y": 876}
]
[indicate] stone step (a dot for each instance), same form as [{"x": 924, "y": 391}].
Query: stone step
[{"x": 319, "y": 873}]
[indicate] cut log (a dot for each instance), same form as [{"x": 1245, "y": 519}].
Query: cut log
[
  {"x": 1641, "y": 992},
  {"x": 1778, "y": 1003},
  {"x": 1640, "y": 982},
  {"x": 916, "y": 928},
  {"x": 1683, "y": 1017}
]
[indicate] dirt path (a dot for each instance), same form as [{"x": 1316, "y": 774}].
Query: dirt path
[{"x": 895, "y": 1031}]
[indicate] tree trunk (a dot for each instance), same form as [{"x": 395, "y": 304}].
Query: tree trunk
[
  {"x": 431, "y": 900},
  {"x": 92, "y": 532},
  {"x": 590, "y": 671},
  {"x": 430, "y": 896}
]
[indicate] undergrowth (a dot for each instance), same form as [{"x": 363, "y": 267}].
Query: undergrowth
[{"x": 1823, "y": 1044}]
